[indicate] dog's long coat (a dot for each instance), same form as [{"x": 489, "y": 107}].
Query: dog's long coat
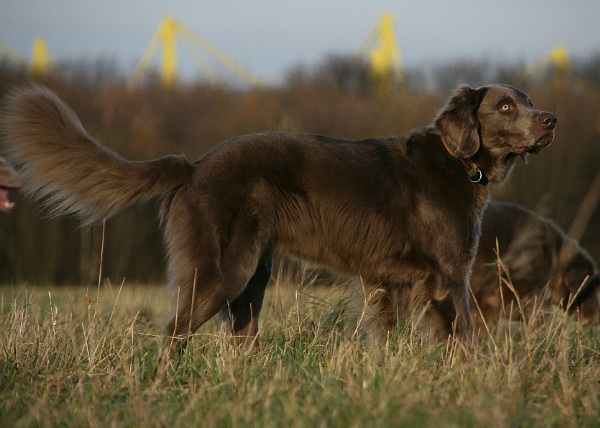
[{"x": 400, "y": 212}]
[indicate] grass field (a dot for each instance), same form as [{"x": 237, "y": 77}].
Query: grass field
[{"x": 95, "y": 357}]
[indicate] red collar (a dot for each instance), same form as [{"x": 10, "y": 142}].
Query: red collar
[{"x": 476, "y": 175}]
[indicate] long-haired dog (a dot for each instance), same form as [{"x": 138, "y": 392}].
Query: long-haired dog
[
  {"x": 538, "y": 261},
  {"x": 404, "y": 212}
]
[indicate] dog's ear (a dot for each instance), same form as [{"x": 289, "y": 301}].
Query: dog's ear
[{"x": 458, "y": 124}]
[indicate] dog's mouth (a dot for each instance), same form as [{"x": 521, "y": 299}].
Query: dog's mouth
[
  {"x": 521, "y": 150},
  {"x": 6, "y": 204},
  {"x": 544, "y": 141},
  {"x": 9, "y": 180}
]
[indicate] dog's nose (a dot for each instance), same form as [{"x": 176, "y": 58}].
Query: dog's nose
[{"x": 548, "y": 119}]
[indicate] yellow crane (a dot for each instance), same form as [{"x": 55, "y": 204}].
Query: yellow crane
[
  {"x": 7, "y": 52},
  {"x": 41, "y": 61},
  {"x": 557, "y": 62},
  {"x": 383, "y": 54},
  {"x": 169, "y": 31}
]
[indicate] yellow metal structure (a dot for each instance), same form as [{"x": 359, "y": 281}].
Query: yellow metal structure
[
  {"x": 166, "y": 37},
  {"x": 560, "y": 58},
  {"x": 12, "y": 55},
  {"x": 166, "y": 34},
  {"x": 41, "y": 62},
  {"x": 383, "y": 53},
  {"x": 557, "y": 60}
]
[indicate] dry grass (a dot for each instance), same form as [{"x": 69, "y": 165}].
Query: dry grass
[{"x": 74, "y": 358}]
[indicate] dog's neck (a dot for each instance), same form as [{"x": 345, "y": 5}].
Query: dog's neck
[{"x": 476, "y": 175}]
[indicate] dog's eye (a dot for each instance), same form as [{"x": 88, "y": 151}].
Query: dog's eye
[{"x": 505, "y": 107}]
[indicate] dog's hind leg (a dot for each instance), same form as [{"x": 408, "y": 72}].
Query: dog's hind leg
[
  {"x": 196, "y": 303},
  {"x": 232, "y": 280},
  {"x": 237, "y": 292},
  {"x": 241, "y": 313},
  {"x": 219, "y": 260}
]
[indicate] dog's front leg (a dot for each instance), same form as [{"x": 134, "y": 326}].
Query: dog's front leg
[{"x": 463, "y": 322}]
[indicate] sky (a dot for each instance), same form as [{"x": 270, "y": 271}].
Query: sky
[{"x": 271, "y": 37}]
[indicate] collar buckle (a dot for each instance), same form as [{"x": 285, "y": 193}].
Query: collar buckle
[{"x": 475, "y": 174}]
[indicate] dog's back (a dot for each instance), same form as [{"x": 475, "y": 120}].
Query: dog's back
[{"x": 537, "y": 256}]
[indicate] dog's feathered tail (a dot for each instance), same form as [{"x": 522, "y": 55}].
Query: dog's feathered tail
[{"x": 63, "y": 164}]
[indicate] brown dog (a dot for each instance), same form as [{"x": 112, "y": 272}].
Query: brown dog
[
  {"x": 538, "y": 257},
  {"x": 9, "y": 180},
  {"x": 403, "y": 213}
]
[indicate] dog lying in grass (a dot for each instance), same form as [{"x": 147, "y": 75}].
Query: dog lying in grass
[{"x": 538, "y": 260}]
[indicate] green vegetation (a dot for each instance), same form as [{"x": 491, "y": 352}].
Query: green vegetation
[{"x": 73, "y": 357}]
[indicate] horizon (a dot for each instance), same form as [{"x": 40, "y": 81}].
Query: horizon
[{"x": 271, "y": 38}]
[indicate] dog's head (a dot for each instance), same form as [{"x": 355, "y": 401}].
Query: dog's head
[
  {"x": 578, "y": 284},
  {"x": 493, "y": 125},
  {"x": 589, "y": 308},
  {"x": 9, "y": 180}
]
